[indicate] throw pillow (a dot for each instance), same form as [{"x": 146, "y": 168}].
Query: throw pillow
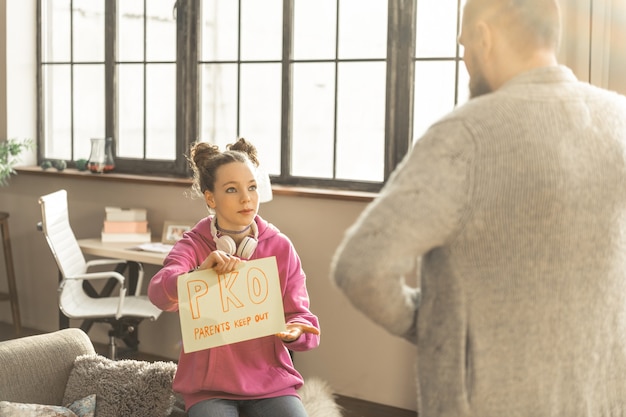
[
  {"x": 124, "y": 387},
  {"x": 84, "y": 407}
]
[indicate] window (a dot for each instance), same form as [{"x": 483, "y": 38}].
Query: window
[
  {"x": 72, "y": 72},
  {"x": 146, "y": 79},
  {"x": 108, "y": 69},
  {"x": 437, "y": 61},
  {"x": 332, "y": 92}
]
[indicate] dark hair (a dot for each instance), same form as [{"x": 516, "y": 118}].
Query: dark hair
[{"x": 205, "y": 158}]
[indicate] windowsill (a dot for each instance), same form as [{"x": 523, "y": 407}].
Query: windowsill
[{"x": 279, "y": 190}]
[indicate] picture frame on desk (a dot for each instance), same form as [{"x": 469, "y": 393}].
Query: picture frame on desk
[{"x": 173, "y": 231}]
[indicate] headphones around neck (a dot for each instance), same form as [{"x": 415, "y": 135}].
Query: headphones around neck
[{"x": 227, "y": 244}]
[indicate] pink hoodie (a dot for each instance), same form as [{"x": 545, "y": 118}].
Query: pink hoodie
[{"x": 258, "y": 368}]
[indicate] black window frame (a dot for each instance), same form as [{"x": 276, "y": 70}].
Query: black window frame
[{"x": 400, "y": 64}]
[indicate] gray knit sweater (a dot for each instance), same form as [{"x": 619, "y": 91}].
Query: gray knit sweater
[{"x": 516, "y": 204}]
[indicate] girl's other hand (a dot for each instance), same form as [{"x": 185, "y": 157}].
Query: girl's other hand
[
  {"x": 221, "y": 262},
  {"x": 295, "y": 330}
]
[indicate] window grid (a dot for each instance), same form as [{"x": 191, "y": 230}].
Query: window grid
[
  {"x": 400, "y": 63},
  {"x": 457, "y": 61}
]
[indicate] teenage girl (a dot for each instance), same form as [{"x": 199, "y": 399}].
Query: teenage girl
[{"x": 255, "y": 376}]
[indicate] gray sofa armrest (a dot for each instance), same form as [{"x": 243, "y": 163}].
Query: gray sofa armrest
[{"x": 35, "y": 369}]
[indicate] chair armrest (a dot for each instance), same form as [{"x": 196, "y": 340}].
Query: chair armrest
[
  {"x": 101, "y": 275},
  {"x": 139, "y": 279},
  {"x": 106, "y": 261}
]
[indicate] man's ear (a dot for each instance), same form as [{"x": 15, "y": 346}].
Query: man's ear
[
  {"x": 210, "y": 199},
  {"x": 484, "y": 39}
]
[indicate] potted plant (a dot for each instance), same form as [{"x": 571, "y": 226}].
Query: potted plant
[{"x": 10, "y": 151}]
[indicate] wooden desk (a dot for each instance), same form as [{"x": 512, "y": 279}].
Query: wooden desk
[{"x": 120, "y": 250}]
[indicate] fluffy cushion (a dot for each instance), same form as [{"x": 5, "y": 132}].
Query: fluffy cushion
[
  {"x": 124, "y": 387},
  {"x": 85, "y": 407}
]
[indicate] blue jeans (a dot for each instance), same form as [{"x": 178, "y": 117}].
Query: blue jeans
[{"x": 285, "y": 406}]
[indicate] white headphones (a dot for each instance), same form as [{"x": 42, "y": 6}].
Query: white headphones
[{"x": 227, "y": 244}]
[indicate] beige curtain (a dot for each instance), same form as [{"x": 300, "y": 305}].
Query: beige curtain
[
  {"x": 616, "y": 73},
  {"x": 594, "y": 41},
  {"x": 575, "y": 36}
]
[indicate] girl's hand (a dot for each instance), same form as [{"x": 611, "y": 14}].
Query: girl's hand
[
  {"x": 295, "y": 330},
  {"x": 221, "y": 262}
]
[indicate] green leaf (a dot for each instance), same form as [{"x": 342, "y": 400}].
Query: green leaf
[{"x": 10, "y": 151}]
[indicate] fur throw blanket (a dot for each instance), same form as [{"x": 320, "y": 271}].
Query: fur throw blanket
[{"x": 318, "y": 399}]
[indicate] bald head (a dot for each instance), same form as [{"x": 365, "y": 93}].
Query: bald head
[
  {"x": 503, "y": 38},
  {"x": 528, "y": 24}
]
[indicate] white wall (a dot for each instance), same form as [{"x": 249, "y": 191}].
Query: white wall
[
  {"x": 21, "y": 72},
  {"x": 18, "y": 86}
]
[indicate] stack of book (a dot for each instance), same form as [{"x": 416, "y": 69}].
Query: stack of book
[{"x": 125, "y": 225}]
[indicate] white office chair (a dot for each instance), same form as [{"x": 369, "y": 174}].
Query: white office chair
[{"x": 123, "y": 312}]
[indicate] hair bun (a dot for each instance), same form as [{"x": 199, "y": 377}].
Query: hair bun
[{"x": 242, "y": 145}]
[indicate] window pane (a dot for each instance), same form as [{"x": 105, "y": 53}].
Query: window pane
[
  {"x": 362, "y": 29},
  {"x": 463, "y": 89},
  {"x": 261, "y": 112},
  {"x": 219, "y": 30},
  {"x": 88, "y": 30},
  {"x": 361, "y": 121},
  {"x": 161, "y": 111},
  {"x": 161, "y": 30},
  {"x": 88, "y": 107},
  {"x": 130, "y": 111},
  {"x": 130, "y": 30},
  {"x": 314, "y": 29},
  {"x": 313, "y": 120},
  {"x": 57, "y": 111},
  {"x": 261, "y": 29},
  {"x": 218, "y": 95},
  {"x": 434, "y": 93},
  {"x": 436, "y": 34},
  {"x": 56, "y": 27}
]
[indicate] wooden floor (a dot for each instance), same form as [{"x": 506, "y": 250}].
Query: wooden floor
[{"x": 352, "y": 407}]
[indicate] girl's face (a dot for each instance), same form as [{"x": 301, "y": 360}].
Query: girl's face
[{"x": 235, "y": 198}]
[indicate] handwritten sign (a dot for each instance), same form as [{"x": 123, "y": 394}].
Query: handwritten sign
[{"x": 217, "y": 310}]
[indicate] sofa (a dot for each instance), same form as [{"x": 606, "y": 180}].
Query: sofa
[{"x": 60, "y": 374}]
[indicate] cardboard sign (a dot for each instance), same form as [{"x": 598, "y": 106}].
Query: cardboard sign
[{"x": 217, "y": 310}]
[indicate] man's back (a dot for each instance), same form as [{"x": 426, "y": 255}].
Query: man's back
[
  {"x": 522, "y": 306},
  {"x": 516, "y": 203}
]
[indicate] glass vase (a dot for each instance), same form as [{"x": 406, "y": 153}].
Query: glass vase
[{"x": 101, "y": 156}]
